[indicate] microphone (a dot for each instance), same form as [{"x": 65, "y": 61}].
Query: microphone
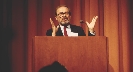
[{"x": 82, "y": 22}]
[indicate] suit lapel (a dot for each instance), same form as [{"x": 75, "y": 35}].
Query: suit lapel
[{"x": 73, "y": 28}]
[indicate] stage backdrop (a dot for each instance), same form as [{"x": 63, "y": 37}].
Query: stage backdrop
[{"x": 21, "y": 20}]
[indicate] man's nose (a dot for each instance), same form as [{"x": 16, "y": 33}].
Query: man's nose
[{"x": 64, "y": 15}]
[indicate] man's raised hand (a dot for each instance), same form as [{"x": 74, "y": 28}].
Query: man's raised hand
[
  {"x": 54, "y": 28},
  {"x": 92, "y": 24}
]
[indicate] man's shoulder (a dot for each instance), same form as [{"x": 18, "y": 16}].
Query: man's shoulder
[
  {"x": 49, "y": 30},
  {"x": 77, "y": 29},
  {"x": 75, "y": 26}
]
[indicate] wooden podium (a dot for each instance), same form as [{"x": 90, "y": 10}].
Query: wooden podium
[{"x": 77, "y": 54}]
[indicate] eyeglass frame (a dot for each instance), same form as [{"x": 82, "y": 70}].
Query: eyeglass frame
[{"x": 62, "y": 13}]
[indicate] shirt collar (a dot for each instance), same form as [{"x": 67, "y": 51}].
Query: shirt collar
[{"x": 68, "y": 26}]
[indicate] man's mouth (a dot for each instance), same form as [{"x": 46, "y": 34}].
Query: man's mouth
[{"x": 64, "y": 19}]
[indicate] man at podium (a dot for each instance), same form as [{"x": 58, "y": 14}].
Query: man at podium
[{"x": 65, "y": 28}]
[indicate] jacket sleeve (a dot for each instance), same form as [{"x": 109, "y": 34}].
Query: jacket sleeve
[
  {"x": 58, "y": 33},
  {"x": 91, "y": 34},
  {"x": 49, "y": 32},
  {"x": 82, "y": 33}
]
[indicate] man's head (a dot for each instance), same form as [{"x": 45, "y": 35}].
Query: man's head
[
  {"x": 63, "y": 14},
  {"x": 54, "y": 67}
]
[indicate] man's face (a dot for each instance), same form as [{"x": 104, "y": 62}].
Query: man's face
[{"x": 63, "y": 16}]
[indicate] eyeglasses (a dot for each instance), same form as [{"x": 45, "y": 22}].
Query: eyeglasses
[{"x": 62, "y": 13}]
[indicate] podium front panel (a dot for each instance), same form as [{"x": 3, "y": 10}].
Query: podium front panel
[{"x": 77, "y": 54}]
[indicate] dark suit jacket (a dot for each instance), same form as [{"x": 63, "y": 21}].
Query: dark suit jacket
[{"x": 74, "y": 28}]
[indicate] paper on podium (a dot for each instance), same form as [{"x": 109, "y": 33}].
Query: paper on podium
[{"x": 73, "y": 34}]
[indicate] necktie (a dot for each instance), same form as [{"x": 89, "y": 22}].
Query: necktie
[{"x": 65, "y": 32}]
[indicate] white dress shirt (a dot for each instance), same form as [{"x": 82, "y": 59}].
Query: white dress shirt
[{"x": 68, "y": 29}]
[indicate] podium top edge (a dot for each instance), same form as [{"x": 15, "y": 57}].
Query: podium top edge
[{"x": 69, "y": 36}]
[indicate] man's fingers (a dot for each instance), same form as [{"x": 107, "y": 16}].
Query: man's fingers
[
  {"x": 87, "y": 22},
  {"x": 57, "y": 27},
  {"x": 95, "y": 18},
  {"x": 50, "y": 20},
  {"x": 52, "y": 23}
]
